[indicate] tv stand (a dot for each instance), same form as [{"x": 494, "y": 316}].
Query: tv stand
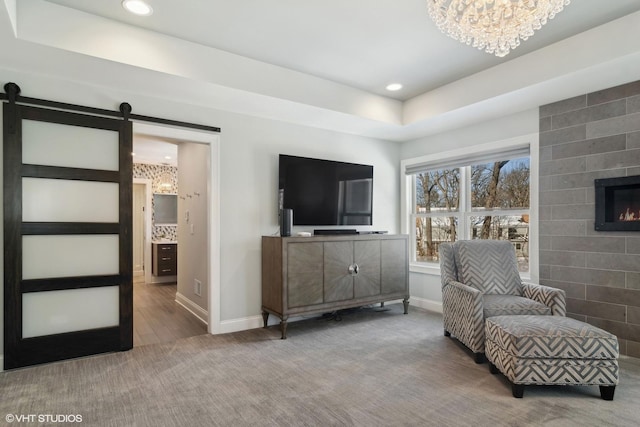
[
  {"x": 335, "y": 231},
  {"x": 313, "y": 275}
]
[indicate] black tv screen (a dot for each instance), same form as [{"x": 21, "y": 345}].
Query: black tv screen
[{"x": 325, "y": 192}]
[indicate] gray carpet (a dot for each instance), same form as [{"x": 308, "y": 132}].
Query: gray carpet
[{"x": 375, "y": 367}]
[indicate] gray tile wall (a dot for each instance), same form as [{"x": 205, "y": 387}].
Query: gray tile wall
[{"x": 591, "y": 136}]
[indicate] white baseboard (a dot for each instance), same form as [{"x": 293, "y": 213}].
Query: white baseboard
[
  {"x": 253, "y": 322},
  {"x": 241, "y": 324},
  {"x": 193, "y": 308},
  {"x": 426, "y": 304}
]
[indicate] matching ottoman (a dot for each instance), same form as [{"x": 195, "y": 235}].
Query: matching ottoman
[{"x": 551, "y": 350}]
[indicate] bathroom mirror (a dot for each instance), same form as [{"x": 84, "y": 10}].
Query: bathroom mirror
[{"x": 165, "y": 209}]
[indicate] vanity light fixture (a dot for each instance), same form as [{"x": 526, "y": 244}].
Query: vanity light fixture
[
  {"x": 165, "y": 183},
  {"x": 394, "y": 87},
  {"x": 137, "y": 7}
]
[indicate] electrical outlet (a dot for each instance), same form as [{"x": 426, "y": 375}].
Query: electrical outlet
[{"x": 197, "y": 287}]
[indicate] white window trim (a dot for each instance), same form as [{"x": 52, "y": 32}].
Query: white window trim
[{"x": 406, "y": 193}]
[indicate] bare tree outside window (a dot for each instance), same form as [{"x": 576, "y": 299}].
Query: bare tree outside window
[
  {"x": 494, "y": 190},
  {"x": 502, "y": 185},
  {"x": 437, "y": 192}
]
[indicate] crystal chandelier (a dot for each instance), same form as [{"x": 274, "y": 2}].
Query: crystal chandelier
[{"x": 496, "y": 26}]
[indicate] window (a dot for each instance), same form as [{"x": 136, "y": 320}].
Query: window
[
  {"x": 477, "y": 195},
  {"x": 437, "y": 214}
]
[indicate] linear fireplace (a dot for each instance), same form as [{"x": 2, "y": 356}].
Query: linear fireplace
[{"x": 618, "y": 204}]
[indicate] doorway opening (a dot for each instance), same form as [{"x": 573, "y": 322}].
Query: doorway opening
[{"x": 186, "y": 302}]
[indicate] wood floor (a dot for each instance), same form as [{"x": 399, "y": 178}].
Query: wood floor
[{"x": 158, "y": 318}]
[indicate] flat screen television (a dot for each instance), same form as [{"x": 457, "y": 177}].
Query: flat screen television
[{"x": 325, "y": 192}]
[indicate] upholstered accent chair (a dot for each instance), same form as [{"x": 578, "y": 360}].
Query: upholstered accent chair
[{"x": 480, "y": 279}]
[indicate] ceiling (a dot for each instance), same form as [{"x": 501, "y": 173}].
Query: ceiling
[
  {"x": 358, "y": 43},
  {"x": 317, "y": 63},
  {"x": 153, "y": 150}
]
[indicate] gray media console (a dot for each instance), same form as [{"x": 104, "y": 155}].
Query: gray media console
[{"x": 306, "y": 275}]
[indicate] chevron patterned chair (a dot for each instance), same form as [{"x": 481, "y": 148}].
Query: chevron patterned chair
[{"x": 480, "y": 279}]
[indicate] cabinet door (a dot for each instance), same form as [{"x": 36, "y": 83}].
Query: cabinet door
[
  {"x": 304, "y": 273},
  {"x": 393, "y": 265},
  {"x": 167, "y": 260},
  {"x": 338, "y": 282},
  {"x": 367, "y": 257}
]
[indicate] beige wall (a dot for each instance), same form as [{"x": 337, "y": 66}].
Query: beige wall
[{"x": 193, "y": 167}]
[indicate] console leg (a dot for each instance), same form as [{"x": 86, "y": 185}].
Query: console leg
[
  {"x": 606, "y": 392},
  {"x": 517, "y": 390},
  {"x": 405, "y": 302},
  {"x": 283, "y": 328},
  {"x": 265, "y": 318},
  {"x": 382, "y": 304}
]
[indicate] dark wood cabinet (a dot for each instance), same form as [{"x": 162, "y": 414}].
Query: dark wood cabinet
[
  {"x": 164, "y": 259},
  {"x": 305, "y": 275}
]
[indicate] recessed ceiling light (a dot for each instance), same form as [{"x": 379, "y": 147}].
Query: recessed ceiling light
[
  {"x": 394, "y": 86},
  {"x": 138, "y": 7},
  {"x": 167, "y": 157},
  {"x": 133, "y": 154}
]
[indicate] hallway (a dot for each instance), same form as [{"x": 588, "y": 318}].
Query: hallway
[{"x": 158, "y": 318}]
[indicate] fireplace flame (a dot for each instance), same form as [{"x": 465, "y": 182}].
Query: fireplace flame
[{"x": 629, "y": 215}]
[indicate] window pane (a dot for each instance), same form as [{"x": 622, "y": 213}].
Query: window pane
[
  {"x": 512, "y": 228},
  {"x": 430, "y": 232},
  {"x": 500, "y": 185},
  {"x": 438, "y": 191}
]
